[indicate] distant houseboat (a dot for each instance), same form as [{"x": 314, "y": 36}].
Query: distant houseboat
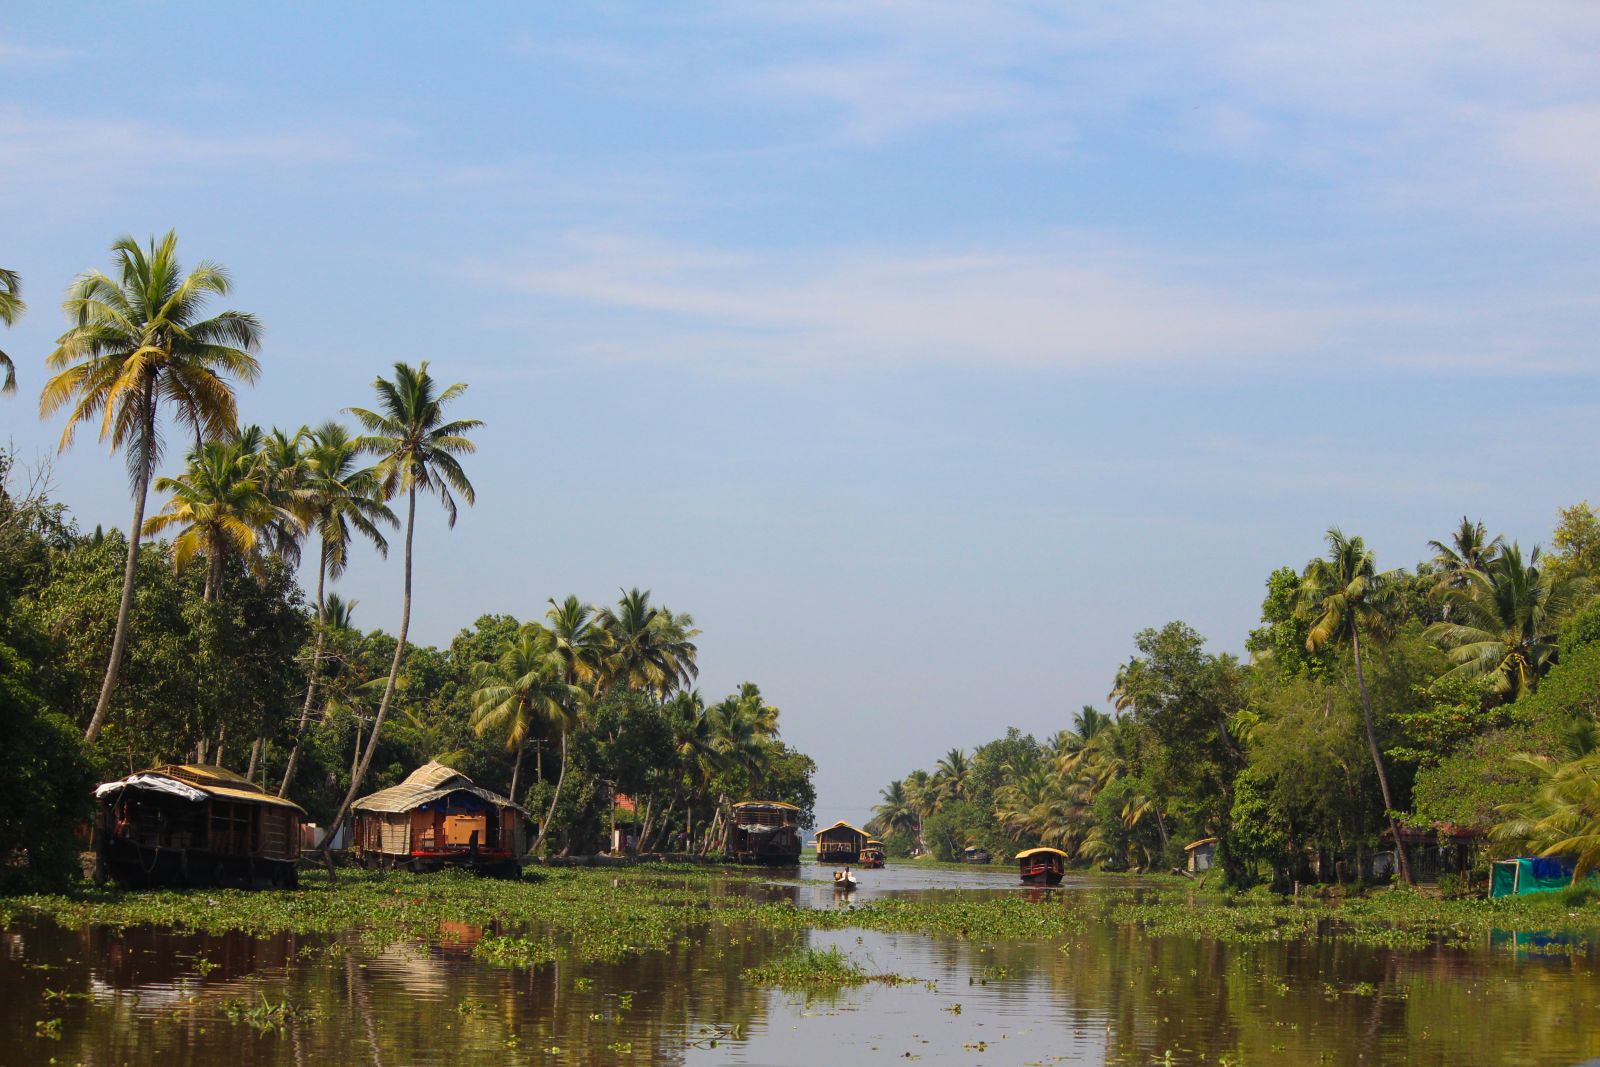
[
  {"x": 840, "y": 843},
  {"x": 438, "y": 817},
  {"x": 198, "y": 825},
  {"x": 1042, "y": 866},
  {"x": 765, "y": 832},
  {"x": 872, "y": 854},
  {"x": 976, "y": 855}
]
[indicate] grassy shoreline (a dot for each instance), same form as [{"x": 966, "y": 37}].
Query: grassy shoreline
[{"x": 589, "y": 914}]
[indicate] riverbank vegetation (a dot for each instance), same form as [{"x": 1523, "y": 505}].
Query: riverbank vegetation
[
  {"x": 603, "y": 915},
  {"x": 1454, "y": 701},
  {"x": 194, "y": 640}
]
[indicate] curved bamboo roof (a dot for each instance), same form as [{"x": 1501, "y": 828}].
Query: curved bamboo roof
[
  {"x": 1025, "y": 853},
  {"x": 431, "y": 781},
  {"x": 840, "y": 825},
  {"x": 768, "y": 804}
]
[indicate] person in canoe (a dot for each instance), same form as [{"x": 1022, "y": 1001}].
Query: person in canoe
[{"x": 844, "y": 880}]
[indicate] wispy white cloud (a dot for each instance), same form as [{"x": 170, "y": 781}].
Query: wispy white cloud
[
  {"x": 1069, "y": 300},
  {"x": 52, "y": 151},
  {"x": 1468, "y": 105},
  {"x": 18, "y": 54}
]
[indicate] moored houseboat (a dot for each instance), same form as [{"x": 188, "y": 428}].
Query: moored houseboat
[
  {"x": 872, "y": 854},
  {"x": 198, "y": 825},
  {"x": 438, "y": 817},
  {"x": 840, "y": 843},
  {"x": 1042, "y": 866},
  {"x": 975, "y": 854},
  {"x": 765, "y": 832}
]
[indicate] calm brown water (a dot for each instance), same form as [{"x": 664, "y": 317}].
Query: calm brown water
[{"x": 153, "y": 997}]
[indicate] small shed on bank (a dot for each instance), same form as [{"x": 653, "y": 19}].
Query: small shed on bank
[
  {"x": 1202, "y": 854},
  {"x": 840, "y": 843},
  {"x": 195, "y": 824},
  {"x": 1432, "y": 851},
  {"x": 436, "y": 817}
]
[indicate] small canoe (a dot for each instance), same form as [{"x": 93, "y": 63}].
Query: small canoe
[{"x": 843, "y": 882}]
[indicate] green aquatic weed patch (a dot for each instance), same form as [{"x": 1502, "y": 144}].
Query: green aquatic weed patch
[{"x": 816, "y": 970}]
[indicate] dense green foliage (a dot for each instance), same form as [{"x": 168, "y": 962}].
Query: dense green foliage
[
  {"x": 119, "y": 654},
  {"x": 1362, "y": 684}
]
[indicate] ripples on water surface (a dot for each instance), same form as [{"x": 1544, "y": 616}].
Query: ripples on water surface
[{"x": 1109, "y": 995}]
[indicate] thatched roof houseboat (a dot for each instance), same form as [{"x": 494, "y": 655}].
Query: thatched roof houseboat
[
  {"x": 840, "y": 843},
  {"x": 765, "y": 832},
  {"x": 195, "y": 824},
  {"x": 438, "y": 816}
]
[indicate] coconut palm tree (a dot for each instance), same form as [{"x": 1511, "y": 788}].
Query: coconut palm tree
[
  {"x": 1562, "y": 816},
  {"x": 895, "y": 813},
  {"x": 342, "y": 499},
  {"x": 220, "y": 508},
  {"x": 138, "y": 343},
  {"x": 649, "y": 649},
  {"x": 1342, "y": 597},
  {"x": 416, "y": 449},
  {"x": 1470, "y": 551},
  {"x": 579, "y": 645},
  {"x": 950, "y": 776},
  {"x": 521, "y": 692},
  {"x": 1507, "y": 617},
  {"x": 923, "y": 796},
  {"x": 11, "y": 309},
  {"x": 284, "y": 477}
]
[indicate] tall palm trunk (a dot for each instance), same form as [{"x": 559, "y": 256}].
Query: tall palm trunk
[
  {"x": 516, "y": 767},
  {"x": 311, "y": 682},
  {"x": 119, "y": 639},
  {"x": 561, "y": 776},
  {"x": 1377, "y": 760},
  {"x": 388, "y": 689}
]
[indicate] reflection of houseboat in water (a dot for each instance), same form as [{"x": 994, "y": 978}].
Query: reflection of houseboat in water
[
  {"x": 840, "y": 843},
  {"x": 872, "y": 854},
  {"x": 196, "y": 824},
  {"x": 438, "y": 817},
  {"x": 765, "y": 832}
]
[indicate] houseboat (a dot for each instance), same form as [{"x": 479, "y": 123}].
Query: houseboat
[
  {"x": 438, "y": 817},
  {"x": 872, "y": 854},
  {"x": 765, "y": 832},
  {"x": 1042, "y": 866},
  {"x": 840, "y": 843},
  {"x": 974, "y": 854},
  {"x": 195, "y": 825}
]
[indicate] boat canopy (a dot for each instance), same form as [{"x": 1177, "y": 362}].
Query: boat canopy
[
  {"x": 429, "y": 782},
  {"x": 1025, "y": 853},
  {"x": 840, "y": 825},
  {"x": 196, "y": 782},
  {"x": 1192, "y": 845},
  {"x": 767, "y": 804}
]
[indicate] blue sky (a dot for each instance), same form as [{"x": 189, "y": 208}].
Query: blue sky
[{"x": 924, "y": 352}]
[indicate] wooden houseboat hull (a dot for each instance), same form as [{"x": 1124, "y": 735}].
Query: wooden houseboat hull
[
  {"x": 137, "y": 866},
  {"x": 1045, "y": 877}
]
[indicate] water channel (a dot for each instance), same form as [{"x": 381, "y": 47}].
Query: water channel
[{"x": 1108, "y": 995}]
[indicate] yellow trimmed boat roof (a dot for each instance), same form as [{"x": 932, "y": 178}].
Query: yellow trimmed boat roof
[
  {"x": 213, "y": 781},
  {"x": 1192, "y": 845},
  {"x": 840, "y": 825},
  {"x": 768, "y": 804},
  {"x": 1025, "y": 853}
]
